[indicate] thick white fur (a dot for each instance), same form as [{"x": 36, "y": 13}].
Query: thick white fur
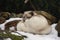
[{"x": 36, "y": 24}]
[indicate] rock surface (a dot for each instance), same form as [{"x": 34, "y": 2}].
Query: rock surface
[
  {"x": 2, "y": 20},
  {"x": 5, "y": 15}
]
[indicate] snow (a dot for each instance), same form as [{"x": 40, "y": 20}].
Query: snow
[
  {"x": 30, "y": 36},
  {"x": 11, "y": 19}
]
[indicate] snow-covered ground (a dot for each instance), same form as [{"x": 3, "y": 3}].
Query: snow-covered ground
[
  {"x": 51, "y": 36},
  {"x": 11, "y": 19}
]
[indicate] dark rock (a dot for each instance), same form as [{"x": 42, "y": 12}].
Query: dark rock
[
  {"x": 1, "y": 38},
  {"x": 58, "y": 27},
  {"x": 13, "y": 15},
  {"x": 58, "y": 34},
  {"x": 19, "y": 15},
  {"x": 5, "y": 15},
  {"x": 2, "y": 20}
]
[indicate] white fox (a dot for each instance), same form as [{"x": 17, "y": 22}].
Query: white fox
[{"x": 36, "y": 24}]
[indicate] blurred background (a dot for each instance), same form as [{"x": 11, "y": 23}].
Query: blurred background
[{"x": 17, "y": 6}]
